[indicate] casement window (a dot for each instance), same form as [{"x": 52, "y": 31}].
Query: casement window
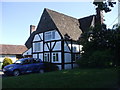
[
  {"x": 46, "y": 57},
  {"x": 37, "y": 46},
  {"x": 50, "y": 35},
  {"x": 55, "y": 57}
]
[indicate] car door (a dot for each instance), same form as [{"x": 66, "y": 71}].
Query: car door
[
  {"x": 36, "y": 65},
  {"x": 26, "y": 66}
]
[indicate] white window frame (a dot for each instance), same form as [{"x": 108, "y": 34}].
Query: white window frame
[
  {"x": 55, "y": 57},
  {"x": 37, "y": 47},
  {"x": 50, "y": 35},
  {"x": 46, "y": 57}
]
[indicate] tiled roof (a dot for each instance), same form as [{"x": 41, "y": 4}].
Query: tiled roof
[
  {"x": 12, "y": 49},
  {"x": 65, "y": 24}
]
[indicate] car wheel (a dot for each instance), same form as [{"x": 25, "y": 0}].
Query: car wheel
[
  {"x": 16, "y": 73},
  {"x": 41, "y": 71}
]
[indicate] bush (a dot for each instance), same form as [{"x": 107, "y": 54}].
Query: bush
[
  {"x": 50, "y": 67},
  {"x": 6, "y": 62},
  {"x": 99, "y": 59}
]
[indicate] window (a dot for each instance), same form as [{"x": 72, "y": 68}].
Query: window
[
  {"x": 55, "y": 57},
  {"x": 46, "y": 57},
  {"x": 53, "y": 35},
  {"x": 37, "y": 46},
  {"x": 50, "y": 35}
]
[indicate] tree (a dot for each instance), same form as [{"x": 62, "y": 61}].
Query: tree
[
  {"x": 100, "y": 40},
  {"x": 104, "y": 4}
]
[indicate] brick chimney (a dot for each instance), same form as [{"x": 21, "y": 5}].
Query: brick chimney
[{"x": 32, "y": 29}]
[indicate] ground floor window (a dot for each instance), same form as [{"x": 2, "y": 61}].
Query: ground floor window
[
  {"x": 55, "y": 57},
  {"x": 46, "y": 57}
]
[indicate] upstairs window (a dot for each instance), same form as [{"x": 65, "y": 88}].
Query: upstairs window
[
  {"x": 37, "y": 46},
  {"x": 50, "y": 35}
]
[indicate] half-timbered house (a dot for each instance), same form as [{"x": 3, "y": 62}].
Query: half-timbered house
[{"x": 55, "y": 38}]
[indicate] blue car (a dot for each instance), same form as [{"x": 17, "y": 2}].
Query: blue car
[{"x": 25, "y": 65}]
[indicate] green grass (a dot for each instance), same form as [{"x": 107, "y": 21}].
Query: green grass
[{"x": 75, "y": 78}]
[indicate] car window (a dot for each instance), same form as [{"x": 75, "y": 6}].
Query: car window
[
  {"x": 27, "y": 61},
  {"x": 36, "y": 61}
]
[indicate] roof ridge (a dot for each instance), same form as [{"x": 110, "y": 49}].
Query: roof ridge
[{"x": 49, "y": 10}]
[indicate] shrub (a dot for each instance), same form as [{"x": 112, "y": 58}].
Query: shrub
[
  {"x": 99, "y": 59},
  {"x": 6, "y": 62},
  {"x": 50, "y": 67}
]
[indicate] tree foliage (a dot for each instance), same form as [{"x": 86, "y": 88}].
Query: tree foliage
[
  {"x": 101, "y": 47},
  {"x": 104, "y": 4}
]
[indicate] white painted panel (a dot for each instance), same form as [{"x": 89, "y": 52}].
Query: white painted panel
[
  {"x": 36, "y": 38},
  {"x": 28, "y": 52},
  {"x": 34, "y": 55},
  {"x": 57, "y": 46},
  {"x": 67, "y": 57},
  {"x": 66, "y": 47},
  {"x": 59, "y": 58},
  {"x": 59, "y": 67},
  {"x": 75, "y": 47},
  {"x": 57, "y": 35},
  {"x": 41, "y": 56},
  {"x": 67, "y": 66},
  {"x": 41, "y": 35},
  {"x": 46, "y": 47}
]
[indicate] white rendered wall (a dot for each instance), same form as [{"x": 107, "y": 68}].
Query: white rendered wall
[
  {"x": 67, "y": 57},
  {"x": 57, "y": 46},
  {"x": 36, "y": 38},
  {"x": 28, "y": 52},
  {"x": 41, "y": 56},
  {"x": 12, "y": 57}
]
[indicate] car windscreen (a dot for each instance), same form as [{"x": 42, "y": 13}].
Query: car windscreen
[{"x": 19, "y": 61}]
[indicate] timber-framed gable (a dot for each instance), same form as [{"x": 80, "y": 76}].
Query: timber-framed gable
[{"x": 55, "y": 39}]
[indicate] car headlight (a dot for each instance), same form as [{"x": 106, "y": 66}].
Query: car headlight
[{"x": 10, "y": 67}]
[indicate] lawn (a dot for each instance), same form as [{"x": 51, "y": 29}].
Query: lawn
[{"x": 75, "y": 78}]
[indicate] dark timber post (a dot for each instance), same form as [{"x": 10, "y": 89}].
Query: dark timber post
[
  {"x": 62, "y": 52},
  {"x": 43, "y": 45},
  {"x": 71, "y": 54},
  {"x": 50, "y": 53}
]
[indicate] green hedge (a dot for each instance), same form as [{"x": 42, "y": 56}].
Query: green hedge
[{"x": 99, "y": 59}]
